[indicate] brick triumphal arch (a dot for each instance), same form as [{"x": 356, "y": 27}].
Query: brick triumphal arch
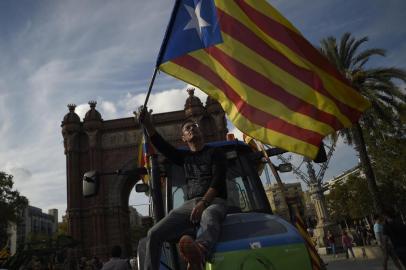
[{"x": 94, "y": 144}]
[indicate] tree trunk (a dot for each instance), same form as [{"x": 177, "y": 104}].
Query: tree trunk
[{"x": 366, "y": 166}]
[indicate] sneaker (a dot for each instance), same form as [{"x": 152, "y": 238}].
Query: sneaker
[{"x": 192, "y": 252}]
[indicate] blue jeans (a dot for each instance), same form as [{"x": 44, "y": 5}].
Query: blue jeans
[
  {"x": 177, "y": 223},
  {"x": 333, "y": 248}
]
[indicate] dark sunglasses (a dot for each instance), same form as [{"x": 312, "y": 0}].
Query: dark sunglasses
[{"x": 190, "y": 127}]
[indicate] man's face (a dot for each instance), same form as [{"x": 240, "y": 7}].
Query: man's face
[{"x": 191, "y": 132}]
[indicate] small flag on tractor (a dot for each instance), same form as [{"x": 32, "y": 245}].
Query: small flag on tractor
[{"x": 145, "y": 150}]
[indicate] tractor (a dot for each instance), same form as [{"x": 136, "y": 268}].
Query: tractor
[{"x": 252, "y": 236}]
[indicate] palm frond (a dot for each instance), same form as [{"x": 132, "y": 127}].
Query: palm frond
[
  {"x": 361, "y": 64},
  {"x": 359, "y": 61},
  {"x": 394, "y": 104},
  {"x": 347, "y": 135},
  {"x": 372, "y": 88},
  {"x": 330, "y": 50},
  {"x": 353, "y": 49},
  {"x": 387, "y": 73},
  {"x": 397, "y": 93},
  {"x": 380, "y": 110},
  {"x": 333, "y": 137},
  {"x": 393, "y": 92},
  {"x": 345, "y": 47}
]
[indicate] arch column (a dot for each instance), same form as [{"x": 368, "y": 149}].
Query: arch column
[
  {"x": 92, "y": 125},
  {"x": 71, "y": 130}
]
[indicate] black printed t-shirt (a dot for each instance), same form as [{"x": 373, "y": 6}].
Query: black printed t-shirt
[{"x": 203, "y": 169}]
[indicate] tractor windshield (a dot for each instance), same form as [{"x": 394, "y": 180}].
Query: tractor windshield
[{"x": 244, "y": 188}]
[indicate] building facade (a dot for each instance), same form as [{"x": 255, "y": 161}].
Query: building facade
[
  {"x": 342, "y": 178},
  {"x": 34, "y": 225},
  {"x": 294, "y": 197}
]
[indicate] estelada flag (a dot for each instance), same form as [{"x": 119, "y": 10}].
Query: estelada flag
[{"x": 272, "y": 83}]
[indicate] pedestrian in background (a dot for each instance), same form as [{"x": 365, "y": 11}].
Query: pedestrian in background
[
  {"x": 396, "y": 231},
  {"x": 97, "y": 264},
  {"x": 384, "y": 241},
  {"x": 331, "y": 242},
  {"x": 116, "y": 263},
  {"x": 347, "y": 244}
]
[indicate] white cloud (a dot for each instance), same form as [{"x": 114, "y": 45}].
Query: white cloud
[
  {"x": 108, "y": 110},
  {"x": 165, "y": 101},
  {"x": 47, "y": 77},
  {"x": 19, "y": 174},
  {"x": 81, "y": 110}
]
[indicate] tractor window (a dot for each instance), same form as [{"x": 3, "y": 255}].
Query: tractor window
[
  {"x": 242, "y": 196},
  {"x": 237, "y": 196}
]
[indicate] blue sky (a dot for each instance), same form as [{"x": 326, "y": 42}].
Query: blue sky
[{"x": 57, "y": 52}]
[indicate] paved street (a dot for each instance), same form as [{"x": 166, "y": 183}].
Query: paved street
[{"x": 341, "y": 263}]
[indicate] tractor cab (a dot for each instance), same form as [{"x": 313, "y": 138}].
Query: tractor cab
[
  {"x": 252, "y": 237},
  {"x": 244, "y": 188}
]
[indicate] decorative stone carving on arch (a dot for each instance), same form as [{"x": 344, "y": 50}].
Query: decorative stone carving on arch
[{"x": 70, "y": 140}]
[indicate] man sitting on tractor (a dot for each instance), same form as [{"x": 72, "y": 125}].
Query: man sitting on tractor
[{"x": 206, "y": 204}]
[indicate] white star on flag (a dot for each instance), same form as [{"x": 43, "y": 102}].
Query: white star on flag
[{"x": 196, "y": 21}]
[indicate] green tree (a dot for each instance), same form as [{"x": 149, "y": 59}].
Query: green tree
[
  {"x": 11, "y": 204},
  {"x": 377, "y": 85},
  {"x": 360, "y": 203},
  {"x": 388, "y": 154},
  {"x": 337, "y": 203},
  {"x": 348, "y": 201},
  {"x": 62, "y": 228}
]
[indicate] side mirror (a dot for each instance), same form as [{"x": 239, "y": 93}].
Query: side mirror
[
  {"x": 141, "y": 188},
  {"x": 284, "y": 167},
  {"x": 90, "y": 184}
]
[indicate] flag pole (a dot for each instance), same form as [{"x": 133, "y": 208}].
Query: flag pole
[
  {"x": 150, "y": 88},
  {"x": 162, "y": 50}
]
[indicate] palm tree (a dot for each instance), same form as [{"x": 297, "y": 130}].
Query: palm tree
[{"x": 375, "y": 84}]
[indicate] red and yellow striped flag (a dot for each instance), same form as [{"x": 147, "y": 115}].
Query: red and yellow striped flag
[
  {"x": 272, "y": 83},
  {"x": 145, "y": 150}
]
